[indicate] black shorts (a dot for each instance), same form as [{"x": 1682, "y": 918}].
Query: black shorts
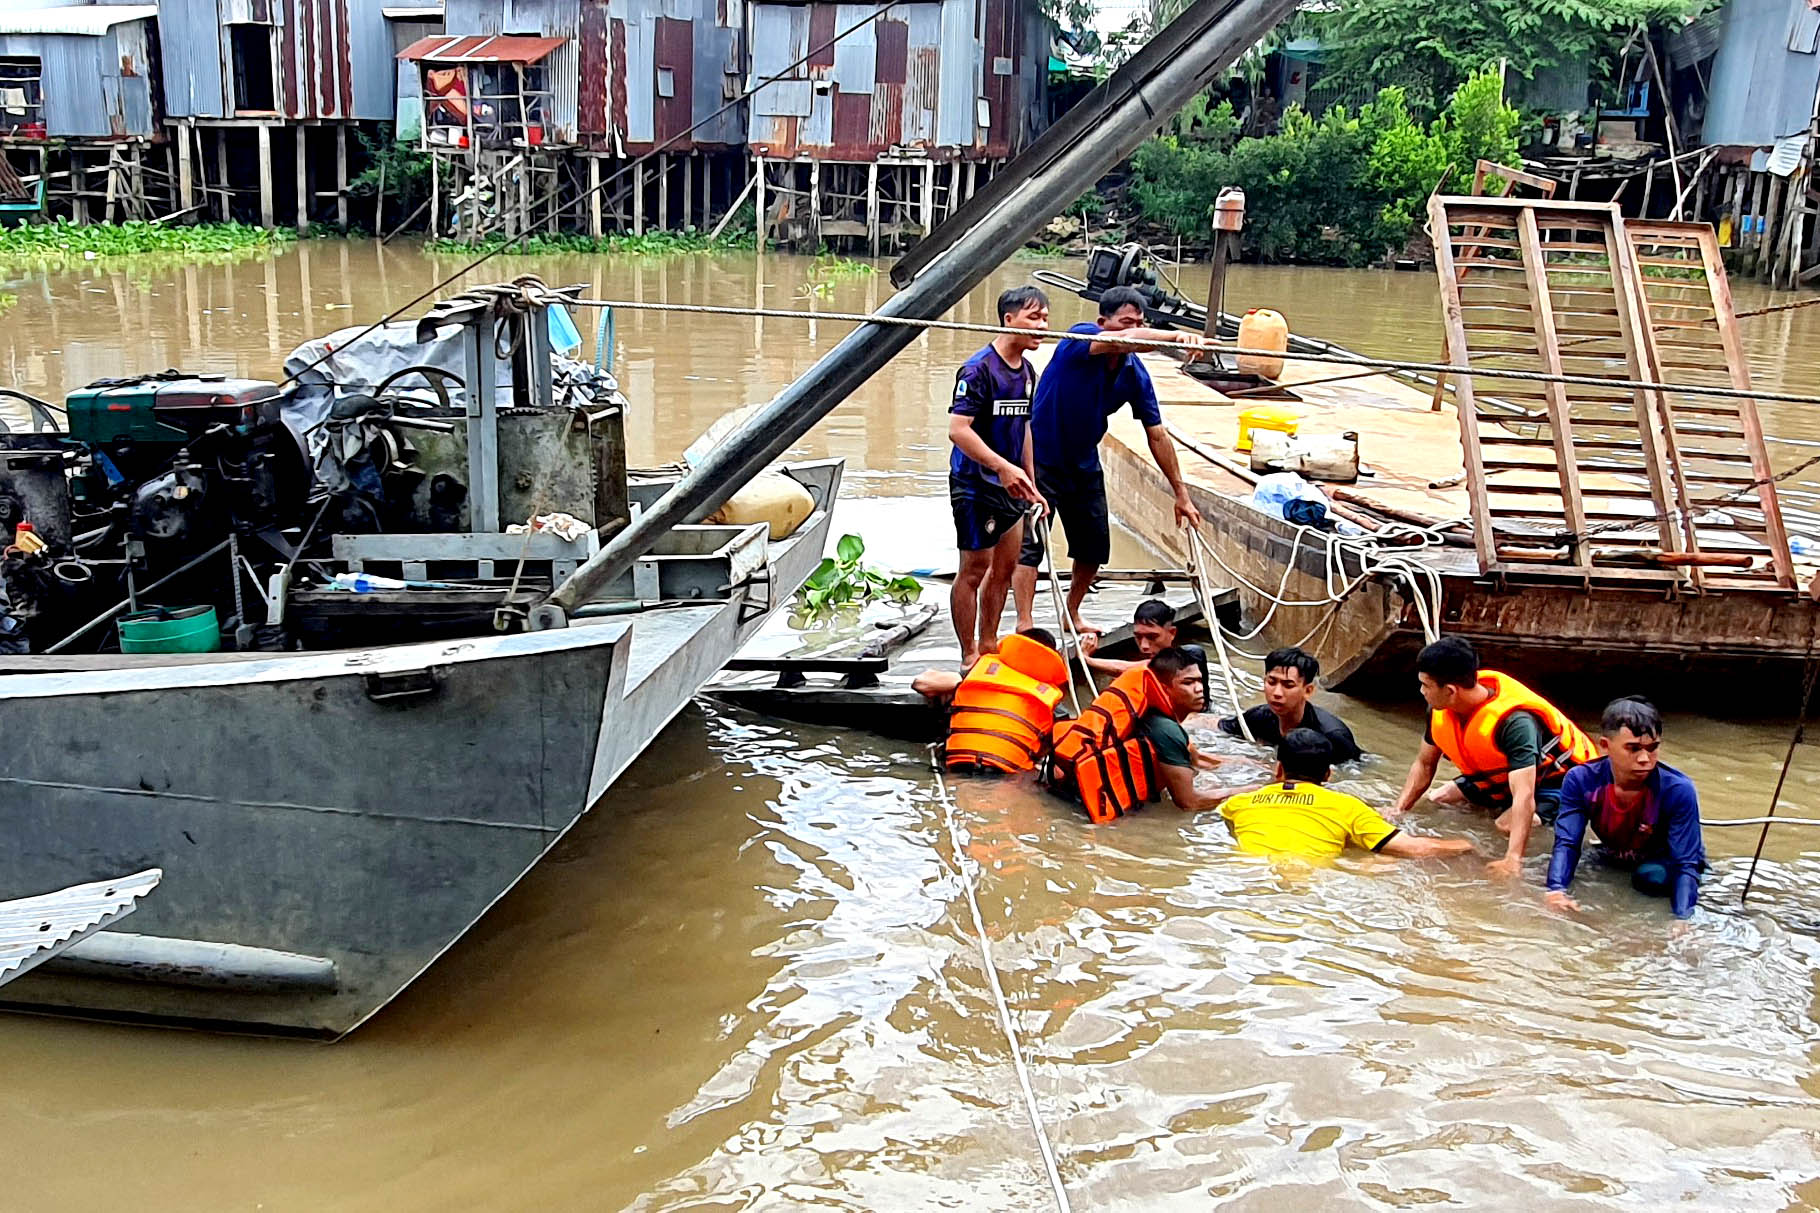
[
  {"x": 982, "y": 513},
  {"x": 1078, "y": 498}
]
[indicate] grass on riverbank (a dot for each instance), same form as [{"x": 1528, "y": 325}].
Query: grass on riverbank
[
  {"x": 651, "y": 244},
  {"x": 61, "y": 241}
]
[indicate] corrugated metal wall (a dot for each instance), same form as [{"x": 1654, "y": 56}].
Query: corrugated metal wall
[
  {"x": 93, "y": 86},
  {"x": 952, "y": 78},
  {"x": 1766, "y": 73},
  {"x": 334, "y": 57},
  {"x": 651, "y": 69},
  {"x": 190, "y": 59}
]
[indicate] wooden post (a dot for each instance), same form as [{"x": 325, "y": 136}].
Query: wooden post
[
  {"x": 1772, "y": 216},
  {"x": 435, "y": 196},
  {"x": 928, "y": 196},
  {"x": 186, "y": 186},
  {"x": 594, "y": 227},
  {"x": 815, "y": 201},
  {"x": 688, "y": 192},
  {"x": 638, "y": 200},
  {"x": 1649, "y": 190},
  {"x": 265, "y": 177},
  {"x": 113, "y": 182},
  {"x": 221, "y": 175},
  {"x": 1756, "y": 206},
  {"x": 341, "y": 175},
  {"x": 758, "y": 177},
  {"x": 1743, "y": 176},
  {"x": 872, "y": 205},
  {"x": 663, "y": 191},
  {"x": 303, "y": 181}
]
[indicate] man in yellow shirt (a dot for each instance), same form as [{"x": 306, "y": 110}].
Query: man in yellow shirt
[{"x": 1297, "y": 816}]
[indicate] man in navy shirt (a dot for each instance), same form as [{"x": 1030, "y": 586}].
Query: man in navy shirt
[
  {"x": 1647, "y": 815},
  {"x": 1084, "y": 384},
  {"x": 991, "y": 474}
]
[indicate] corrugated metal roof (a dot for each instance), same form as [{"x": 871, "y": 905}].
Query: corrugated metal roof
[
  {"x": 89, "y": 20},
  {"x": 34, "y": 929},
  {"x": 445, "y": 48}
]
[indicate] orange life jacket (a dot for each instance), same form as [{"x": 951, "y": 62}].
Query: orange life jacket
[
  {"x": 1005, "y": 707},
  {"x": 1100, "y": 758},
  {"x": 1472, "y": 746}
]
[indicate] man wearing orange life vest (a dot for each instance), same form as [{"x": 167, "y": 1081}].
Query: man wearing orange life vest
[
  {"x": 1004, "y": 705},
  {"x": 1512, "y": 746},
  {"x": 1129, "y": 743}
]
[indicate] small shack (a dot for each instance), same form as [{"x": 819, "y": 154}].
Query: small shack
[
  {"x": 78, "y": 115},
  {"x": 889, "y": 127},
  {"x": 1762, "y": 124},
  {"x": 236, "y": 71},
  {"x": 526, "y": 104}
]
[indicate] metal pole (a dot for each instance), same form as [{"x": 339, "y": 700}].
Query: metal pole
[{"x": 1135, "y": 105}]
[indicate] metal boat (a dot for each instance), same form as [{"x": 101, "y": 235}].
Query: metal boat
[{"x": 334, "y": 806}]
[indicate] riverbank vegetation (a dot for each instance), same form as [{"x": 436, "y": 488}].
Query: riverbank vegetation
[
  {"x": 651, "y": 244},
  {"x": 1343, "y": 189},
  {"x": 62, "y": 241}
]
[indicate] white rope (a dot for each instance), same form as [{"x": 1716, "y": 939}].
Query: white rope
[
  {"x": 1063, "y": 620},
  {"x": 964, "y": 867},
  {"x": 1196, "y": 545},
  {"x": 1195, "y": 341}
]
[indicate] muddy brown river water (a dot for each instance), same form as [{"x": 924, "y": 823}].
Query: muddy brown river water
[{"x": 748, "y": 979}]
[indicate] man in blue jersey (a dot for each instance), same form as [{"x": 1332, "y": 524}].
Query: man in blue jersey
[
  {"x": 1646, "y": 814},
  {"x": 991, "y": 474},
  {"x": 1084, "y": 384}
]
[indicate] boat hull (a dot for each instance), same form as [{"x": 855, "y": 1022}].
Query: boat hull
[
  {"x": 337, "y": 820},
  {"x": 1580, "y": 645}
]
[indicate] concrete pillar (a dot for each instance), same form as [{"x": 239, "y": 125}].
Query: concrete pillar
[{"x": 265, "y": 177}]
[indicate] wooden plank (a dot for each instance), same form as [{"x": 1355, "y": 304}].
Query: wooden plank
[
  {"x": 1738, "y": 367},
  {"x": 1455, "y": 328}
]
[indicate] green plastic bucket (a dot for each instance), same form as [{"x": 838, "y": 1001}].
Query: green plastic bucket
[{"x": 184, "y": 630}]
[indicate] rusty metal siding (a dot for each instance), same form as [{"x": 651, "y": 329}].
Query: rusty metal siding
[
  {"x": 190, "y": 59},
  {"x": 673, "y": 61},
  {"x": 335, "y": 57},
  {"x": 594, "y": 60},
  {"x": 92, "y": 88}
]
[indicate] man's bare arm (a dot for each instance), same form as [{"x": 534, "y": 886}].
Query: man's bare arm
[
  {"x": 1190, "y": 799},
  {"x": 1415, "y": 846},
  {"x": 1522, "y": 817},
  {"x": 1421, "y": 778},
  {"x": 936, "y": 684},
  {"x": 1169, "y": 336}
]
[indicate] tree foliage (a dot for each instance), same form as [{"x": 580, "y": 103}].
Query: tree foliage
[
  {"x": 1436, "y": 45},
  {"x": 1343, "y": 189}
]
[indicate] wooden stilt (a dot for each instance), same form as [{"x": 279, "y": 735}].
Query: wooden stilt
[
  {"x": 688, "y": 193},
  {"x": 303, "y": 181},
  {"x": 928, "y": 196},
  {"x": 135, "y": 167},
  {"x": 221, "y": 175},
  {"x": 638, "y": 200},
  {"x": 113, "y": 183},
  {"x": 872, "y": 205},
  {"x": 265, "y": 178},
  {"x": 435, "y": 195},
  {"x": 815, "y": 202},
  {"x": 763, "y": 220},
  {"x": 594, "y": 227},
  {"x": 341, "y": 175},
  {"x": 186, "y": 186},
  {"x": 663, "y": 192}
]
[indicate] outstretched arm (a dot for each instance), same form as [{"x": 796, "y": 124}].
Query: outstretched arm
[
  {"x": 1190, "y": 799},
  {"x": 1100, "y": 349},
  {"x": 1521, "y": 817},
  {"x": 1421, "y": 778},
  {"x": 1415, "y": 846},
  {"x": 1162, "y": 449}
]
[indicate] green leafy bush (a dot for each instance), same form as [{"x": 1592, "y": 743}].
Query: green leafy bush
[
  {"x": 651, "y": 244},
  {"x": 1344, "y": 189}
]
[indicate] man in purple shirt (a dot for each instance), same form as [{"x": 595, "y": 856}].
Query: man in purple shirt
[
  {"x": 991, "y": 473},
  {"x": 1647, "y": 815},
  {"x": 1085, "y": 383}
]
